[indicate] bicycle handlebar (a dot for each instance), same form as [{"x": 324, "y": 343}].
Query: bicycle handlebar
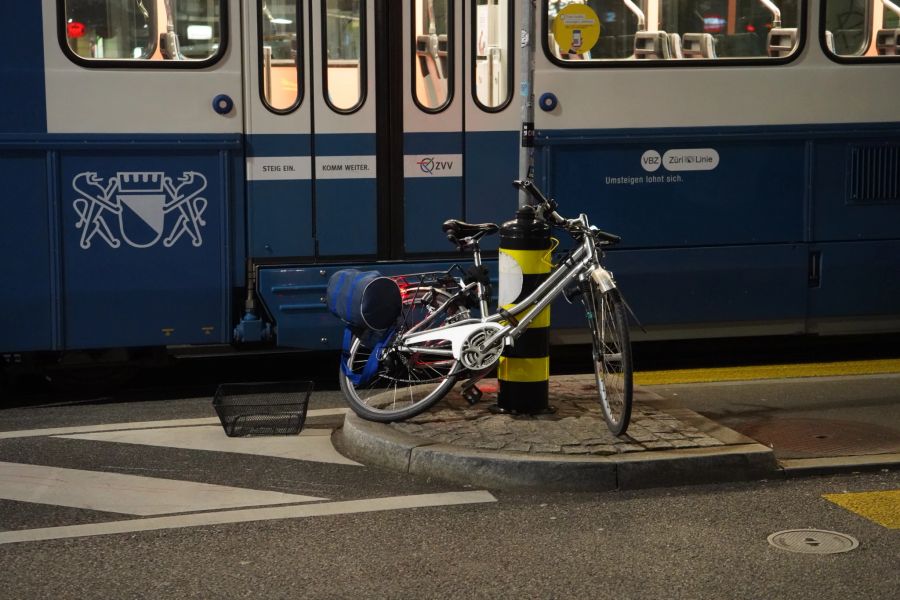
[
  {"x": 573, "y": 226},
  {"x": 528, "y": 186},
  {"x": 605, "y": 236}
]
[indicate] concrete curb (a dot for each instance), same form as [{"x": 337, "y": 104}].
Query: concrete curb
[
  {"x": 802, "y": 467},
  {"x": 381, "y": 445}
]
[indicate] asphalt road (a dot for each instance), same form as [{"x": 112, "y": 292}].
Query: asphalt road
[
  {"x": 690, "y": 542},
  {"x": 707, "y": 542}
]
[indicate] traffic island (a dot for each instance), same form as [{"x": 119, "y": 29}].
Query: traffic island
[{"x": 571, "y": 449}]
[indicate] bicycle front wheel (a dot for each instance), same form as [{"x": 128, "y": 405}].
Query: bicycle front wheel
[
  {"x": 612, "y": 355},
  {"x": 405, "y": 383}
]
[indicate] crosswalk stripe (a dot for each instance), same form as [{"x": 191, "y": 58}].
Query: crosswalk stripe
[
  {"x": 127, "y": 494},
  {"x": 311, "y": 445},
  {"x": 248, "y": 515},
  {"x": 5, "y": 435}
]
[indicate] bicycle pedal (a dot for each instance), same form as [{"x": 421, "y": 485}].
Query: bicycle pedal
[{"x": 472, "y": 395}]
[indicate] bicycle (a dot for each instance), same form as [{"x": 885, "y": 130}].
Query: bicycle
[{"x": 436, "y": 341}]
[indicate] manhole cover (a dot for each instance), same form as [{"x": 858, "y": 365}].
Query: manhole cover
[
  {"x": 800, "y": 438},
  {"x": 813, "y": 541}
]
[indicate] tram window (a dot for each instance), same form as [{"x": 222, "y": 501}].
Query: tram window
[
  {"x": 666, "y": 30},
  {"x": 890, "y": 18},
  {"x": 98, "y": 29},
  {"x": 144, "y": 30},
  {"x": 862, "y": 28},
  {"x": 279, "y": 54},
  {"x": 846, "y": 26},
  {"x": 432, "y": 53},
  {"x": 345, "y": 42},
  {"x": 197, "y": 25},
  {"x": 493, "y": 62}
]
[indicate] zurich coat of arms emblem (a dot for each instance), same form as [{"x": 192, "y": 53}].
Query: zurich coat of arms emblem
[{"x": 139, "y": 202}]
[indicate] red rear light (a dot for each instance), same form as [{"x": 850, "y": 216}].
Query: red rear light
[{"x": 74, "y": 29}]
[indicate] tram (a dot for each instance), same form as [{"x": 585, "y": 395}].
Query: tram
[{"x": 188, "y": 173}]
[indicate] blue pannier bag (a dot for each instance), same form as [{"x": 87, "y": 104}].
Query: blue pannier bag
[
  {"x": 369, "y": 304},
  {"x": 364, "y": 300}
]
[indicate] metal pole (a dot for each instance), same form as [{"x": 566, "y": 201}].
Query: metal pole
[
  {"x": 526, "y": 87},
  {"x": 523, "y": 371}
]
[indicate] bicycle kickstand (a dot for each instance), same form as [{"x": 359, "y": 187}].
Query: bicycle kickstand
[{"x": 470, "y": 391}]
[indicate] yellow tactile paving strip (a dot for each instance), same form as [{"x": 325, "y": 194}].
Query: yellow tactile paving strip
[
  {"x": 881, "y": 507},
  {"x": 830, "y": 369}
]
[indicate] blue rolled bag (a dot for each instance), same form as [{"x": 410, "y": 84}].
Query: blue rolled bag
[{"x": 369, "y": 304}]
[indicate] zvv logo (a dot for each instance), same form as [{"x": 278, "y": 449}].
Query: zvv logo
[
  {"x": 429, "y": 165},
  {"x": 140, "y": 202}
]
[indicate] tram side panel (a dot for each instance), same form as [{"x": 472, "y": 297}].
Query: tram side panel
[
  {"x": 123, "y": 205},
  {"x": 855, "y": 257},
  {"x": 25, "y": 270},
  {"x": 706, "y": 241},
  {"x": 744, "y": 246},
  {"x": 143, "y": 246},
  {"x": 26, "y": 305}
]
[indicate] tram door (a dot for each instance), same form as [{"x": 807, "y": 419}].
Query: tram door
[
  {"x": 432, "y": 139},
  {"x": 278, "y": 122},
  {"x": 454, "y": 146},
  {"x": 363, "y": 127}
]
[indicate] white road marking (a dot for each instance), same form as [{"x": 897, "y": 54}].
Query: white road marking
[
  {"x": 127, "y": 494},
  {"x": 4, "y": 435},
  {"x": 248, "y": 515},
  {"x": 311, "y": 445}
]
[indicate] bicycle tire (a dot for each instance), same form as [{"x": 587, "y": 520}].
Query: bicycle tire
[
  {"x": 613, "y": 366},
  {"x": 403, "y": 385}
]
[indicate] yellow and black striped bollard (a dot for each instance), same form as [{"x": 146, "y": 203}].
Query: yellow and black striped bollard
[{"x": 524, "y": 368}]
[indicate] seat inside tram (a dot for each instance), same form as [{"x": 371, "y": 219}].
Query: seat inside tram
[
  {"x": 887, "y": 41},
  {"x": 669, "y": 30}
]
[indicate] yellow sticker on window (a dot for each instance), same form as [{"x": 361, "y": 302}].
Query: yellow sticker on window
[{"x": 576, "y": 29}]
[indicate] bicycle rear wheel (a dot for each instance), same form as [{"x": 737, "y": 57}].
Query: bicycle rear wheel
[
  {"x": 612, "y": 355},
  {"x": 405, "y": 383}
]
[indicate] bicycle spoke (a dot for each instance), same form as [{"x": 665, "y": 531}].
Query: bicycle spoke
[
  {"x": 612, "y": 357},
  {"x": 407, "y": 381}
]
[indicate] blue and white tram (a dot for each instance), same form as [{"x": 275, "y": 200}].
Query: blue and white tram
[
  {"x": 749, "y": 154},
  {"x": 190, "y": 172}
]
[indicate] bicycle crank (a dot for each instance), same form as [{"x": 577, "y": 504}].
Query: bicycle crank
[
  {"x": 474, "y": 355},
  {"x": 468, "y": 342}
]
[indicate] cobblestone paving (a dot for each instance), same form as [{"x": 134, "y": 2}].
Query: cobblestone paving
[{"x": 577, "y": 427}]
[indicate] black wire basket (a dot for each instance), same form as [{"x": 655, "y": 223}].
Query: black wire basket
[{"x": 272, "y": 408}]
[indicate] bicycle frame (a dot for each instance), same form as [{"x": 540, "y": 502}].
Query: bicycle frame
[
  {"x": 444, "y": 343},
  {"x": 584, "y": 261}
]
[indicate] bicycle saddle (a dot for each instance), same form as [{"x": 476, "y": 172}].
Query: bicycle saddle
[{"x": 463, "y": 234}]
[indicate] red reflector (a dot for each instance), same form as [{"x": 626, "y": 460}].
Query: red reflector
[
  {"x": 750, "y": 28},
  {"x": 75, "y": 29}
]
